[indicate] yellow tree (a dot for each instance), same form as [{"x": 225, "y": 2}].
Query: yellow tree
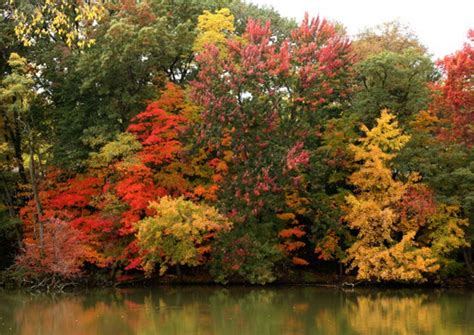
[
  {"x": 214, "y": 29},
  {"x": 180, "y": 233},
  {"x": 385, "y": 248}
]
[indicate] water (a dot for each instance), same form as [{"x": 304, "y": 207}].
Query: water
[{"x": 239, "y": 310}]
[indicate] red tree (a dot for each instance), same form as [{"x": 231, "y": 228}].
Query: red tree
[
  {"x": 454, "y": 95},
  {"x": 63, "y": 254}
]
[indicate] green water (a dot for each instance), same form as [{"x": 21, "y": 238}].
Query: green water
[{"x": 238, "y": 310}]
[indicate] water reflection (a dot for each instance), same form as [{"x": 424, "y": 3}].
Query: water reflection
[{"x": 211, "y": 310}]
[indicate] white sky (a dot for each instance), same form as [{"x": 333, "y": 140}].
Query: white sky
[{"x": 441, "y": 25}]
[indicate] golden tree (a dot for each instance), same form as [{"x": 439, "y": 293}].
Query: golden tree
[
  {"x": 385, "y": 248},
  {"x": 214, "y": 29}
]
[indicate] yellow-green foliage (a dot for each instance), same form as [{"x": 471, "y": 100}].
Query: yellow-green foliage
[
  {"x": 65, "y": 19},
  {"x": 16, "y": 90},
  {"x": 446, "y": 232},
  {"x": 179, "y": 233},
  {"x": 374, "y": 212},
  {"x": 5, "y": 151},
  {"x": 214, "y": 29},
  {"x": 123, "y": 148},
  {"x": 386, "y": 135}
]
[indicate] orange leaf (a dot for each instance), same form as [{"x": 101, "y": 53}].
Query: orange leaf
[
  {"x": 286, "y": 233},
  {"x": 291, "y": 246},
  {"x": 299, "y": 261}
]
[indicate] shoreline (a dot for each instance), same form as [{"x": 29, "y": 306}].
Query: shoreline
[{"x": 297, "y": 278}]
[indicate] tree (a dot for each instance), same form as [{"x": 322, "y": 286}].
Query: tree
[
  {"x": 397, "y": 81},
  {"x": 445, "y": 166},
  {"x": 265, "y": 98},
  {"x": 243, "y": 11},
  {"x": 71, "y": 201},
  {"x": 454, "y": 95},
  {"x": 223, "y": 104},
  {"x": 250, "y": 254},
  {"x": 13, "y": 175},
  {"x": 214, "y": 29},
  {"x": 10, "y": 231},
  {"x": 143, "y": 164},
  {"x": 264, "y": 106},
  {"x": 384, "y": 249},
  {"x": 140, "y": 46},
  {"x": 178, "y": 234},
  {"x": 390, "y": 36},
  {"x": 63, "y": 253},
  {"x": 441, "y": 146},
  {"x": 158, "y": 132},
  {"x": 17, "y": 96},
  {"x": 332, "y": 163}
]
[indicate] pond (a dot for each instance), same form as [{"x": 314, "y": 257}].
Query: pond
[{"x": 239, "y": 310}]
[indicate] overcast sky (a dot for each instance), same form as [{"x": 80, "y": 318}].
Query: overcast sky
[{"x": 440, "y": 25}]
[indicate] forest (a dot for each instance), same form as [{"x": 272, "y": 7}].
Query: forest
[{"x": 217, "y": 138}]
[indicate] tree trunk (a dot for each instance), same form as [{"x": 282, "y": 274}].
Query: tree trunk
[
  {"x": 113, "y": 275},
  {"x": 34, "y": 185},
  {"x": 11, "y": 210},
  {"x": 468, "y": 258},
  {"x": 178, "y": 272},
  {"x": 21, "y": 168},
  {"x": 41, "y": 167},
  {"x": 12, "y": 134}
]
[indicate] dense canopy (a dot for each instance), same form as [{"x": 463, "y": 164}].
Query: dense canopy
[{"x": 220, "y": 138}]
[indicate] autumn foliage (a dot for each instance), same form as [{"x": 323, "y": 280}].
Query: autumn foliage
[
  {"x": 454, "y": 99},
  {"x": 63, "y": 252},
  {"x": 104, "y": 206},
  {"x": 391, "y": 216},
  {"x": 238, "y": 148},
  {"x": 180, "y": 233}
]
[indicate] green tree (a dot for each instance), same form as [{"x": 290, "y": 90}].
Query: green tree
[
  {"x": 445, "y": 166},
  {"x": 397, "y": 81},
  {"x": 97, "y": 91},
  {"x": 243, "y": 11},
  {"x": 10, "y": 227},
  {"x": 17, "y": 97}
]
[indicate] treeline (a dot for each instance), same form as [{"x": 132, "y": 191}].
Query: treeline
[{"x": 154, "y": 136}]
